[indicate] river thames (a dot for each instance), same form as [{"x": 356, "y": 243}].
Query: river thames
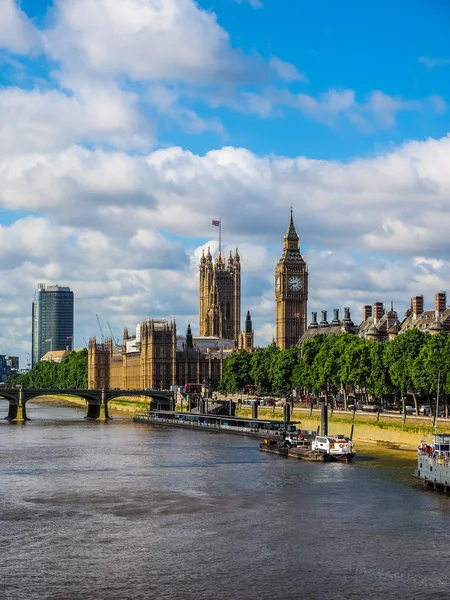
[{"x": 120, "y": 510}]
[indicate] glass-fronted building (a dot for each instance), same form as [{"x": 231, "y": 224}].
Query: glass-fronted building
[{"x": 52, "y": 315}]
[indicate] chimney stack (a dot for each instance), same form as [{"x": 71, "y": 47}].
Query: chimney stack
[
  {"x": 324, "y": 322},
  {"x": 378, "y": 311},
  {"x": 417, "y": 306},
  {"x": 441, "y": 302},
  {"x": 347, "y": 318},
  {"x": 336, "y": 320},
  {"x": 367, "y": 311},
  {"x": 313, "y": 324}
]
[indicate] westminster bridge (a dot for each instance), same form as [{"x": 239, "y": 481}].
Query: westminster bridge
[{"x": 97, "y": 400}]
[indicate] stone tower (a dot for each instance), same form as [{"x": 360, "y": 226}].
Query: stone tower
[
  {"x": 291, "y": 291},
  {"x": 247, "y": 337},
  {"x": 220, "y": 296}
]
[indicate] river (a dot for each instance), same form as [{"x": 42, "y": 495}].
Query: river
[{"x": 128, "y": 511}]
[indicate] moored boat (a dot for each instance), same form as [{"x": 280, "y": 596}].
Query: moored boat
[
  {"x": 339, "y": 447},
  {"x": 433, "y": 462}
]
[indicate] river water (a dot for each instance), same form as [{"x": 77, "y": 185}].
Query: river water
[{"x": 121, "y": 510}]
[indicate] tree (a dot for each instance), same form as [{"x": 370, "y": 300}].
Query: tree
[
  {"x": 263, "y": 368},
  {"x": 283, "y": 368},
  {"x": 236, "y": 372},
  {"x": 400, "y": 354}
]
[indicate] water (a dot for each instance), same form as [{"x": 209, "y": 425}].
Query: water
[{"x": 130, "y": 511}]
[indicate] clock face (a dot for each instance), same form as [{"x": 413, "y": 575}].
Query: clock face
[
  {"x": 278, "y": 284},
  {"x": 295, "y": 283}
]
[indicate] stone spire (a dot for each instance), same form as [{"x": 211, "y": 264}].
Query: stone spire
[{"x": 291, "y": 233}]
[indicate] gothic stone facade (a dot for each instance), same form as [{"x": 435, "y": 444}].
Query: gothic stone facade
[
  {"x": 220, "y": 296},
  {"x": 154, "y": 359},
  {"x": 291, "y": 291}
]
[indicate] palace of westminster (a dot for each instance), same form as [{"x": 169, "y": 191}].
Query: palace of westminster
[{"x": 156, "y": 357}]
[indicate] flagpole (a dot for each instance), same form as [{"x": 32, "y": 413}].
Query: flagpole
[{"x": 220, "y": 236}]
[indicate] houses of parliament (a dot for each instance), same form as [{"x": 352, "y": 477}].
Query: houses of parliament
[{"x": 157, "y": 357}]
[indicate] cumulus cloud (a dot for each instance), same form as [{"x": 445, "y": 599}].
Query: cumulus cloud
[
  {"x": 17, "y": 34},
  {"x": 122, "y": 230},
  {"x": 170, "y": 40}
]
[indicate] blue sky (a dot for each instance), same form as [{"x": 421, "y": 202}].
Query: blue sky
[{"x": 126, "y": 127}]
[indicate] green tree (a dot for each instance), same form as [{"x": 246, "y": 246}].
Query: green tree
[
  {"x": 236, "y": 372},
  {"x": 400, "y": 355},
  {"x": 283, "y": 368},
  {"x": 263, "y": 368}
]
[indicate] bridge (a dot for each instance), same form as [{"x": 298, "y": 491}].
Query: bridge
[{"x": 97, "y": 400}]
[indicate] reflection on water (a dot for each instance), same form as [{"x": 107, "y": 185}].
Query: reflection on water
[{"x": 124, "y": 510}]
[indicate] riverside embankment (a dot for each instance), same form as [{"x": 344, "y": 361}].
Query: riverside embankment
[{"x": 385, "y": 429}]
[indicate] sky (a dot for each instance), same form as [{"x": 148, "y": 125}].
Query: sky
[{"x": 127, "y": 127}]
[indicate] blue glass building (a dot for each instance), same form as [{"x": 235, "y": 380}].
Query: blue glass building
[{"x": 52, "y": 315}]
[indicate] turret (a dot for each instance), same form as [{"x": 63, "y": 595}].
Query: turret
[
  {"x": 248, "y": 323},
  {"x": 189, "y": 340},
  {"x": 230, "y": 262}
]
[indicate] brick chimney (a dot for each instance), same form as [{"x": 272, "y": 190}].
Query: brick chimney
[
  {"x": 378, "y": 311},
  {"x": 367, "y": 311},
  {"x": 417, "y": 306},
  {"x": 441, "y": 302}
]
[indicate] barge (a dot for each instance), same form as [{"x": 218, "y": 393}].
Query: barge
[
  {"x": 258, "y": 428},
  {"x": 273, "y": 447},
  {"x": 433, "y": 462}
]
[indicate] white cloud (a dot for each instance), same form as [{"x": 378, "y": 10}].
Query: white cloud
[
  {"x": 143, "y": 39},
  {"x": 431, "y": 63},
  {"x": 17, "y": 34},
  {"x": 51, "y": 120},
  {"x": 253, "y": 3},
  {"x": 287, "y": 71},
  {"x": 117, "y": 228}
]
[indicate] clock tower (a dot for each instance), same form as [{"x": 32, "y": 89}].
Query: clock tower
[{"x": 291, "y": 291}]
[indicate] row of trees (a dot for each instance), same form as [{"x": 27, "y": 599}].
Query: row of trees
[
  {"x": 71, "y": 372},
  {"x": 408, "y": 365}
]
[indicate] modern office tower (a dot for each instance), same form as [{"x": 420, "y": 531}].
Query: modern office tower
[{"x": 52, "y": 315}]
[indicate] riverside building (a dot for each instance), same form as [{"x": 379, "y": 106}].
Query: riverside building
[
  {"x": 52, "y": 320},
  {"x": 157, "y": 357}
]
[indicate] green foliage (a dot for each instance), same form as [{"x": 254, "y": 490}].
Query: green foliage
[
  {"x": 236, "y": 372},
  {"x": 71, "y": 372},
  {"x": 327, "y": 364}
]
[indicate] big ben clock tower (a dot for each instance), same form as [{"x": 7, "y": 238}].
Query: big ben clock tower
[{"x": 291, "y": 291}]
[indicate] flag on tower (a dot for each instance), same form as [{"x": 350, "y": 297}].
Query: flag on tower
[
  {"x": 216, "y": 223},
  {"x": 296, "y": 314},
  {"x": 69, "y": 338}
]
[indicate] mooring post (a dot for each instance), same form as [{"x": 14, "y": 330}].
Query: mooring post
[
  {"x": 20, "y": 414},
  {"x": 255, "y": 409},
  {"x": 103, "y": 416},
  {"x": 324, "y": 428}
]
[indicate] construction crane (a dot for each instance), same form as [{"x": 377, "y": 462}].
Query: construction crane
[
  {"x": 116, "y": 343},
  {"x": 100, "y": 327}
]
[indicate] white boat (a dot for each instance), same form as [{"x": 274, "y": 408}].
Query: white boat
[
  {"x": 433, "y": 462},
  {"x": 339, "y": 447}
]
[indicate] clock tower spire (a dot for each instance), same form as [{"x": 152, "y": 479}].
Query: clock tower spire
[{"x": 291, "y": 291}]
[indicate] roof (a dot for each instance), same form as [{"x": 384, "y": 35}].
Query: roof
[
  {"x": 428, "y": 319},
  {"x": 328, "y": 330},
  {"x": 55, "y": 355}
]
